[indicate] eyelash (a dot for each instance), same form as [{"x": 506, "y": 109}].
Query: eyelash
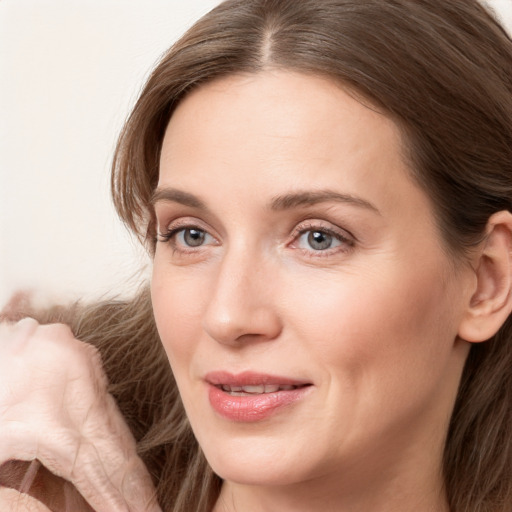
[
  {"x": 347, "y": 241},
  {"x": 170, "y": 233},
  {"x": 168, "y": 237}
]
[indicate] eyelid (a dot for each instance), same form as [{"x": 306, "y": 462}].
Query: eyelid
[
  {"x": 345, "y": 237},
  {"x": 322, "y": 225},
  {"x": 182, "y": 223},
  {"x": 177, "y": 225}
]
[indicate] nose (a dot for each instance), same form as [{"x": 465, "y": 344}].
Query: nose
[{"x": 242, "y": 306}]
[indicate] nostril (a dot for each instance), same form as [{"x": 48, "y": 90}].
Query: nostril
[{"x": 242, "y": 325}]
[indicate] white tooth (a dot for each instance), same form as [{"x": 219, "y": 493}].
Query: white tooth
[
  {"x": 254, "y": 389},
  {"x": 286, "y": 388},
  {"x": 271, "y": 388},
  {"x": 228, "y": 388}
]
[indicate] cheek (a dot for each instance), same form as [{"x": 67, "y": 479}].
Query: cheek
[
  {"x": 178, "y": 309},
  {"x": 384, "y": 345},
  {"x": 377, "y": 326}
]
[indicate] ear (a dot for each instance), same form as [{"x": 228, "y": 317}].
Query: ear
[{"x": 491, "y": 301}]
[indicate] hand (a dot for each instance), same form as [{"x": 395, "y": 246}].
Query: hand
[
  {"x": 13, "y": 501},
  {"x": 54, "y": 407}
]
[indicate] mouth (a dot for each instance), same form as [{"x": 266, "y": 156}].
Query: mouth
[
  {"x": 261, "y": 389},
  {"x": 251, "y": 397}
]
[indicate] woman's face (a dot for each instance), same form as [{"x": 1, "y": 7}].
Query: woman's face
[{"x": 300, "y": 286}]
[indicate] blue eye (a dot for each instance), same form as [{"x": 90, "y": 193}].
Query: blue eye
[
  {"x": 191, "y": 237},
  {"x": 186, "y": 238},
  {"x": 318, "y": 240}
]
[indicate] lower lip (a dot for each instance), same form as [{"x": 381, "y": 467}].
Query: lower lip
[{"x": 252, "y": 408}]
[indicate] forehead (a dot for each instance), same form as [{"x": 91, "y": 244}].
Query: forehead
[
  {"x": 280, "y": 106},
  {"x": 279, "y": 130}
]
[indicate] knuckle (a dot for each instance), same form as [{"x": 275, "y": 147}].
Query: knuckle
[
  {"x": 77, "y": 354},
  {"x": 47, "y": 339},
  {"x": 26, "y": 323},
  {"x": 93, "y": 364},
  {"x": 58, "y": 332},
  {"x": 17, "y": 440},
  {"x": 60, "y": 453},
  {"x": 92, "y": 353},
  {"x": 16, "y": 335}
]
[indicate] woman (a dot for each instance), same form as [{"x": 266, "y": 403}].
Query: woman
[{"x": 325, "y": 187}]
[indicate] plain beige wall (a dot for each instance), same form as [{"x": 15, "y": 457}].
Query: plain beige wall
[{"x": 70, "y": 70}]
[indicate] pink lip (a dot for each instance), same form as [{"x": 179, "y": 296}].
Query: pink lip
[{"x": 252, "y": 408}]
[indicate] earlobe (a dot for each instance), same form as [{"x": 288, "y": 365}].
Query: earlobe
[{"x": 491, "y": 301}]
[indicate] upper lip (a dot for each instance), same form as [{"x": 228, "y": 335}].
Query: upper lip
[{"x": 251, "y": 378}]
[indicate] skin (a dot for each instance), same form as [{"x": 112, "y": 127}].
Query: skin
[
  {"x": 371, "y": 322},
  {"x": 56, "y": 414},
  {"x": 13, "y": 501}
]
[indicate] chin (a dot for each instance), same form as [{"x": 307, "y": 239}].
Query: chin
[
  {"x": 247, "y": 473},
  {"x": 257, "y": 463}
]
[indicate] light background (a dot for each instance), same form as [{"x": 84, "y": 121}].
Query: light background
[{"x": 69, "y": 72}]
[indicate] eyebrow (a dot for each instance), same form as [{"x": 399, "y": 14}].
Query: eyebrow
[
  {"x": 173, "y": 195},
  {"x": 311, "y": 198},
  {"x": 283, "y": 202}
]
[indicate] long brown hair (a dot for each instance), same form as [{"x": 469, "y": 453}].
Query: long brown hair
[{"x": 442, "y": 70}]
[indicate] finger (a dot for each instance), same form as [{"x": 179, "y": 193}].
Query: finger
[
  {"x": 127, "y": 473},
  {"x": 18, "y": 332},
  {"x": 137, "y": 488},
  {"x": 105, "y": 428},
  {"x": 126, "y": 469},
  {"x": 14, "y": 501},
  {"x": 52, "y": 491},
  {"x": 68, "y": 457}
]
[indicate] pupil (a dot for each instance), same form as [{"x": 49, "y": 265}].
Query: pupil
[
  {"x": 319, "y": 241},
  {"x": 193, "y": 237}
]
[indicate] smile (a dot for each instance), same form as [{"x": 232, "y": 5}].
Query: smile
[
  {"x": 252, "y": 397},
  {"x": 255, "y": 390}
]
